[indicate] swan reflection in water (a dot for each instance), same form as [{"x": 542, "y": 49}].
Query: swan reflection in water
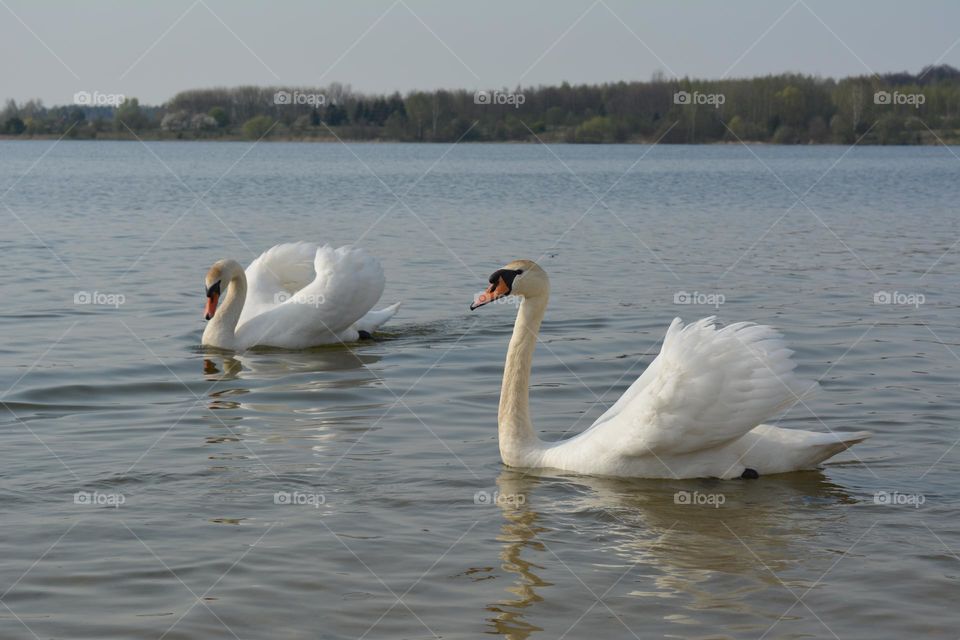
[
  {"x": 277, "y": 364},
  {"x": 656, "y": 544},
  {"x": 291, "y": 391},
  {"x": 519, "y": 533}
]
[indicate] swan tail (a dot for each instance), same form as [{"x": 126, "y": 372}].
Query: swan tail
[
  {"x": 373, "y": 320},
  {"x": 834, "y": 443},
  {"x": 777, "y": 450}
]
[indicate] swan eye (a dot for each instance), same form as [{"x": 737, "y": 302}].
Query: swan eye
[
  {"x": 519, "y": 272},
  {"x": 214, "y": 289}
]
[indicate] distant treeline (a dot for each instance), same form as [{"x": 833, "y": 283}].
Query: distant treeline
[{"x": 899, "y": 108}]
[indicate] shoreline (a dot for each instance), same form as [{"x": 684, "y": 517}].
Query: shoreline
[{"x": 106, "y": 137}]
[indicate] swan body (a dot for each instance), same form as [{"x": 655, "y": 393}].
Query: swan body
[
  {"x": 697, "y": 410},
  {"x": 295, "y": 296}
]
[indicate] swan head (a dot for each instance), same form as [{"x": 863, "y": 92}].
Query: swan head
[
  {"x": 522, "y": 278},
  {"x": 218, "y": 278}
]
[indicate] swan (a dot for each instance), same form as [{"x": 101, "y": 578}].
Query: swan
[
  {"x": 294, "y": 296},
  {"x": 695, "y": 412}
]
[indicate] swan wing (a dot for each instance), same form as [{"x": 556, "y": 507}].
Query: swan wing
[
  {"x": 348, "y": 282},
  {"x": 278, "y": 273},
  {"x": 707, "y": 386}
]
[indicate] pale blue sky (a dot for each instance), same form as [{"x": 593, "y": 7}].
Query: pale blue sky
[{"x": 151, "y": 50}]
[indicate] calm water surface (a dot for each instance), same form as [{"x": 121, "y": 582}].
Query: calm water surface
[{"x": 147, "y": 485}]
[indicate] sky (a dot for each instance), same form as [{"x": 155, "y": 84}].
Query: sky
[{"x": 51, "y": 49}]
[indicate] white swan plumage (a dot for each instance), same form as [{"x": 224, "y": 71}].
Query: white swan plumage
[
  {"x": 294, "y": 296},
  {"x": 697, "y": 410}
]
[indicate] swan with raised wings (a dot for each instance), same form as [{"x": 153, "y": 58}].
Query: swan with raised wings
[
  {"x": 294, "y": 296},
  {"x": 695, "y": 412}
]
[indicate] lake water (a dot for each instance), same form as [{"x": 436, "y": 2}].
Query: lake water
[{"x": 147, "y": 485}]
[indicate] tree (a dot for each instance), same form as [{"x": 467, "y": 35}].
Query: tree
[
  {"x": 791, "y": 106},
  {"x": 175, "y": 121},
  {"x": 258, "y": 127},
  {"x": 220, "y": 115},
  {"x": 735, "y": 128},
  {"x": 818, "y": 130},
  {"x": 359, "y": 113},
  {"x": 334, "y": 115},
  {"x": 850, "y": 99},
  {"x": 14, "y": 126},
  {"x": 785, "y": 108},
  {"x": 889, "y": 129},
  {"x": 129, "y": 116},
  {"x": 841, "y": 130},
  {"x": 419, "y": 108},
  {"x": 10, "y": 110},
  {"x": 395, "y": 128},
  {"x": 32, "y": 109},
  {"x": 395, "y": 105},
  {"x": 554, "y": 117}
]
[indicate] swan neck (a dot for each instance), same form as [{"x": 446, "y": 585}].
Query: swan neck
[
  {"x": 221, "y": 329},
  {"x": 517, "y": 438}
]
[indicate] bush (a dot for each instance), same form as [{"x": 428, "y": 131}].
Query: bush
[
  {"x": 596, "y": 130},
  {"x": 257, "y": 127},
  {"x": 785, "y": 135}
]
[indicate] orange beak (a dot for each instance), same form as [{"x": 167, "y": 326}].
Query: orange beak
[
  {"x": 498, "y": 290},
  {"x": 211, "y": 307}
]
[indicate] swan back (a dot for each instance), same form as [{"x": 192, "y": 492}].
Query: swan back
[
  {"x": 344, "y": 285},
  {"x": 277, "y": 274},
  {"x": 707, "y": 387}
]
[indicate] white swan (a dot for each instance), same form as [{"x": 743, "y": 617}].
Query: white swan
[
  {"x": 695, "y": 412},
  {"x": 294, "y": 296}
]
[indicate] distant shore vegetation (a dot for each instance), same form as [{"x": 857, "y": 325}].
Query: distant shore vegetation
[{"x": 895, "y": 108}]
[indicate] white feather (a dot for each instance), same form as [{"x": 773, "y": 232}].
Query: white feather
[
  {"x": 301, "y": 295},
  {"x": 698, "y": 411}
]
